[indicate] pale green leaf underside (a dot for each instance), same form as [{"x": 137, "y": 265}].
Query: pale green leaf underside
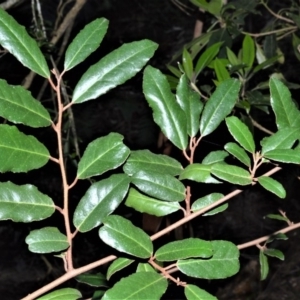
[
  {"x": 205, "y": 201},
  {"x": 66, "y": 294},
  {"x": 96, "y": 280}
]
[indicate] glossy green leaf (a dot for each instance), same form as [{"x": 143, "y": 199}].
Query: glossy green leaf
[
  {"x": 100, "y": 200},
  {"x": 192, "y": 292},
  {"x": 20, "y": 152},
  {"x": 282, "y": 139},
  {"x": 85, "y": 43},
  {"x": 248, "y": 51},
  {"x": 224, "y": 262},
  {"x": 198, "y": 173},
  {"x": 207, "y": 57},
  {"x": 149, "y": 205},
  {"x": 166, "y": 111},
  {"x": 46, "y": 240},
  {"x": 24, "y": 203},
  {"x": 66, "y": 294},
  {"x": 277, "y": 217},
  {"x": 113, "y": 69},
  {"x": 274, "y": 253},
  {"x": 96, "y": 280},
  {"x": 148, "y": 161},
  {"x": 272, "y": 185},
  {"x": 284, "y": 155},
  {"x": 221, "y": 71},
  {"x": 144, "y": 267},
  {"x": 161, "y": 186},
  {"x": 138, "y": 286},
  {"x": 214, "y": 157},
  {"x": 101, "y": 155},
  {"x": 185, "y": 248},
  {"x": 219, "y": 105},
  {"x": 241, "y": 133},
  {"x": 278, "y": 236},
  {"x": 117, "y": 265},
  {"x": 190, "y": 103},
  {"x": 18, "y": 42},
  {"x": 187, "y": 63},
  {"x": 18, "y": 106},
  {"x": 264, "y": 265},
  {"x": 286, "y": 112},
  {"x": 123, "y": 236},
  {"x": 232, "y": 174},
  {"x": 238, "y": 152},
  {"x": 207, "y": 200}
]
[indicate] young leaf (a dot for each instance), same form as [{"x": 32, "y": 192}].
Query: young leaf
[
  {"x": 161, "y": 186},
  {"x": 274, "y": 253},
  {"x": 234, "y": 61},
  {"x": 233, "y": 174},
  {"x": 241, "y": 133},
  {"x": 185, "y": 248},
  {"x": 112, "y": 70},
  {"x": 66, "y": 294},
  {"x": 214, "y": 157},
  {"x": 208, "y": 200},
  {"x": 141, "y": 285},
  {"x": 272, "y": 185},
  {"x": 286, "y": 112},
  {"x": 219, "y": 105},
  {"x": 223, "y": 264},
  {"x": 100, "y": 200},
  {"x": 20, "y": 152},
  {"x": 144, "y": 267},
  {"x": 117, "y": 265},
  {"x": 18, "y": 42},
  {"x": 284, "y": 155},
  {"x": 166, "y": 111},
  {"x": 123, "y": 236},
  {"x": 18, "y": 106},
  {"x": 277, "y": 217},
  {"x": 46, "y": 240},
  {"x": 149, "y": 205},
  {"x": 187, "y": 63},
  {"x": 248, "y": 52},
  {"x": 221, "y": 71},
  {"x": 190, "y": 103},
  {"x": 85, "y": 43},
  {"x": 148, "y": 161},
  {"x": 96, "y": 280},
  {"x": 101, "y": 155},
  {"x": 238, "y": 152},
  {"x": 24, "y": 203},
  {"x": 192, "y": 292},
  {"x": 264, "y": 265}
]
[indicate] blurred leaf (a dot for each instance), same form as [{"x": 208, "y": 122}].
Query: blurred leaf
[
  {"x": 214, "y": 157},
  {"x": 144, "y": 267},
  {"x": 221, "y": 71},
  {"x": 272, "y": 185},
  {"x": 283, "y": 155},
  {"x": 192, "y": 292},
  {"x": 174, "y": 71},
  {"x": 123, "y": 236},
  {"x": 187, "y": 63},
  {"x": 274, "y": 253},
  {"x": 207, "y": 200},
  {"x": 277, "y": 217},
  {"x": 234, "y": 61},
  {"x": 117, "y": 265},
  {"x": 66, "y": 294},
  {"x": 213, "y": 6},
  {"x": 238, "y": 152},
  {"x": 114, "y": 69},
  {"x": 264, "y": 265},
  {"x": 270, "y": 45},
  {"x": 96, "y": 280},
  {"x": 296, "y": 45},
  {"x": 278, "y": 236},
  {"x": 248, "y": 52},
  {"x": 266, "y": 64}
]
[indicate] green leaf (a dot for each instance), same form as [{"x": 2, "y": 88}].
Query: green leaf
[
  {"x": 117, "y": 265},
  {"x": 234, "y": 61},
  {"x": 207, "y": 57},
  {"x": 100, "y": 200},
  {"x": 96, "y": 280},
  {"x": 282, "y": 139},
  {"x": 198, "y": 173},
  {"x": 248, "y": 52},
  {"x": 274, "y": 253},
  {"x": 284, "y": 155},
  {"x": 264, "y": 265},
  {"x": 144, "y": 267},
  {"x": 112, "y": 70},
  {"x": 223, "y": 264},
  {"x": 277, "y": 217},
  {"x": 232, "y": 174},
  {"x": 192, "y": 292},
  {"x": 269, "y": 62},
  {"x": 66, "y": 294},
  {"x": 185, "y": 248},
  {"x": 149, "y": 205},
  {"x": 296, "y": 45},
  {"x": 272, "y": 185},
  {"x": 101, "y": 155},
  {"x": 85, "y": 43},
  {"x": 221, "y": 71},
  {"x": 123, "y": 236},
  {"x": 241, "y": 133},
  {"x": 190, "y": 103},
  {"x": 148, "y": 161},
  {"x": 24, "y": 203},
  {"x": 46, "y": 240},
  {"x": 17, "y": 41},
  {"x": 166, "y": 111},
  {"x": 238, "y": 152},
  {"x": 138, "y": 286},
  {"x": 219, "y": 105},
  {"x": 214, "y": 6},
  {"x": 214, "y": 157},
  {"x": 161, "y": 186},
  {"x": 20, "y": 152},
  {"x": 187, "y": 63},
  {"x": 207, "y": 200},
  {"x": 286, "y": 112},
  {"x": 270, "y": 45},
  {"x": 278, "y": 236},
  {"x": 18, "y": 106}
]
